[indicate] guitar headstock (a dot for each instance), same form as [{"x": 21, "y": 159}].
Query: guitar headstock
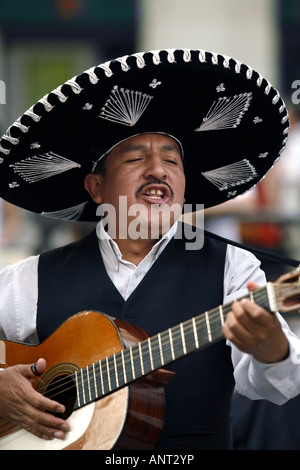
[{"x": 287, "y": 292}]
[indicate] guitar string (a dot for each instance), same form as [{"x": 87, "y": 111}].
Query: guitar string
[
  {"x": 154, "y": 351},
  {"x": 155, "y": 348}
]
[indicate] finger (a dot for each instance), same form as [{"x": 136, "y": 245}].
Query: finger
[
  {"x": 46, "y": 425},
  {"x": 39, "y": 367},
  {"x": 237, "y": 327},
  {"x": 256, "y": 314},
  {"x": 241, "y": 314},
  {"x": 40, "y": 402},
  {"x": 39, "y": 420},
  {"x": 47, "y": 432},
  {"x": 252, "y": 286}
]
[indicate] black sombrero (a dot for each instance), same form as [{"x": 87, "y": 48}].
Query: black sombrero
[{"x": 231, "y": 122}]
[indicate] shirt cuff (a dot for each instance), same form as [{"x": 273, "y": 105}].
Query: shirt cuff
[{"x": 283, "y": 376}]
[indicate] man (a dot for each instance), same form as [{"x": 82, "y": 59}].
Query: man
[{"x": 104, "y": 132}]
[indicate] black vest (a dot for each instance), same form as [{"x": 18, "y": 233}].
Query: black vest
[{"x": 179, "y": 285}]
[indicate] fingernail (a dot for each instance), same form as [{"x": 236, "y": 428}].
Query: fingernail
[
  {"x": 64, "y": 427},
  {"x": 60, "y": 409},
  {"x": 59, "y": 435}
]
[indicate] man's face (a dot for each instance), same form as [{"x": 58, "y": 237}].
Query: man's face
[{"x": 148, "y": 170}]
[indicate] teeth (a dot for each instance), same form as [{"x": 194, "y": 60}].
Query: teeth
[{"x": 157, "y": 192}]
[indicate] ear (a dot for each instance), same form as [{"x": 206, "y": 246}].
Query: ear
[{"x": 92, "y": 184}]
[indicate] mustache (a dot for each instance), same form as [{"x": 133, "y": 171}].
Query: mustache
[{"x": 149, "y": 183}]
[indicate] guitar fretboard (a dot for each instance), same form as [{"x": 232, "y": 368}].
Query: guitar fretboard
[{"x": 120, "y": 369}]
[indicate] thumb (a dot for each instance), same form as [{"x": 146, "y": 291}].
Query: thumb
[
  {"x": 252, "y": 286},
  {"x": 39, "y": 367}
]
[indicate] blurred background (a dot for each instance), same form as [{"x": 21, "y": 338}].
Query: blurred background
[{"x": 44, "y": 43}]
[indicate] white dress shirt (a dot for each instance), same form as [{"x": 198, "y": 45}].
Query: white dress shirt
[{"x": 276, "y": 382}]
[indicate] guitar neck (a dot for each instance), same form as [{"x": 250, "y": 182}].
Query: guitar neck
[{"x": 120, "y": 369}]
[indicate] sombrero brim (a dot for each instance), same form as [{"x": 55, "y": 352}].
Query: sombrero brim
[{"x": 231, "y": 122}]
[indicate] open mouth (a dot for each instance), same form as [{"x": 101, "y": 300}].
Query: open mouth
[{"x": 156, "y": 194}]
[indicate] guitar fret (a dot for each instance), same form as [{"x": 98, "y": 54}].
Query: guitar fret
[
  {"x": 160, "y": 350},
  {"x": 171, "y": 343},
  {"x": 101, "y": 377},
  {"x": 108, "y": 373},
  {"x": 78, "y": 389},
  {"x": 155, "y": 347},
  {"x": 106, "y": 377},
  {"x": 123, "y": 364},
  {"x": 118, "y": 368},
  {"x": 221, "y": 315},
  {"x": 195, "y": 333},
  {"x": 116, "y": 371},
  {"x": 182, "y": 338},
  {"x": 150, "y": 353},
  {"x": 208, "y": 327},
  {"x": 177, "y": 342},
  {"x": 132, "y": 364},
  {"x": 146, "y": 355},
  {"x": 167, "y": 353},
  {"x": 141, "y": 358},
  {"x": 251, "y": 296},
  {"x": 128, "y": 366},
  {"x": 189, "y": 334},
  {"x": 112, "y": 372},
  {"x": 82, "y": 385},
  {"x": 135, "y": 363},
  {"x": 95, "y": 381},
  {"x": 88, "y": 383}
]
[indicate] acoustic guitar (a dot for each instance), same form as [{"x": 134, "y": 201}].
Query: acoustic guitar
[{"x": 109, "y": 374}]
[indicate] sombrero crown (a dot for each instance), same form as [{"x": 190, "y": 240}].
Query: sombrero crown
[{"x": 231, "y": 122}]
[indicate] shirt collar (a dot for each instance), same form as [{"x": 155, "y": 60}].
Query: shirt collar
[{"x": 111, "y": 250}]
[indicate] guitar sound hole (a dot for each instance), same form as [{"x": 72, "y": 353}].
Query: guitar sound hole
[{"x": 62, "y": 388}]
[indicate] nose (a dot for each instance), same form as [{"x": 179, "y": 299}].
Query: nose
[{"x": 155, "y": 168}]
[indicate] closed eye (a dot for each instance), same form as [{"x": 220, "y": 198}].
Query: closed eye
[{"x": 133, "y": 159}]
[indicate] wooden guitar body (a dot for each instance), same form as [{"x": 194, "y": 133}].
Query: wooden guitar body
[
  {"x": 129, "y": 418},
  {"x": 108, "y": 373}
]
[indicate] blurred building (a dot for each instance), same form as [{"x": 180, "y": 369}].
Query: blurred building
[{"x": 42, "y": 45}]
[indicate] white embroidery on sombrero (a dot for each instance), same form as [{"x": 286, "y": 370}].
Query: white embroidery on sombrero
[
  {"x": 42, "y": 166},
  {"x": 125, "y": 106},
  {"x": 70, "y": 213},
  {"x": 5, "y": 151},
  {"x": 13, "y": 185},
  {"x": 35, "y": 145},
  {"x": 231, "y": 175},
  {"x": 220, "y": 88},
  {"x": 87, "y": 107},
  {"x": 226, "y": 113},
  {"x": 154, "y": 83},
  {"x": 10, "y": 138}
]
